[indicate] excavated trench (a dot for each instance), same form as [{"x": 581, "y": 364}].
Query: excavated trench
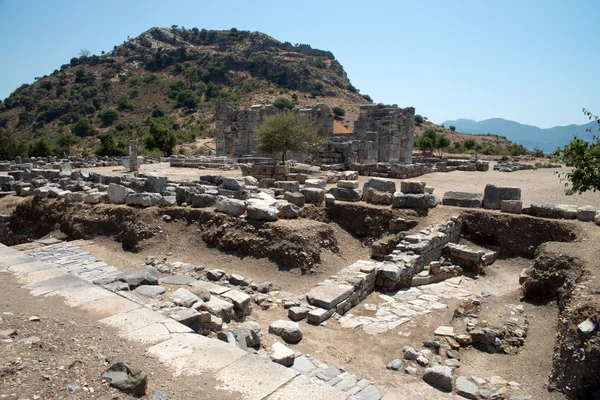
[
  {"x": 557, "y": 270},
  {"x": 563, "y": 268}
]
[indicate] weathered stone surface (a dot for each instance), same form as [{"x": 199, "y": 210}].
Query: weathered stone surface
[
  {"x": 185, "y": 298},
  {"x": 401, "y": 200},
  {"x": 241, "y": 301},
  {"x": 587, "y": 213},
  {"x": 288, "y": 186},
  {"x": 329, "y": 199},
  {"x": 493, "y": 196},
  {"x": 297, "y": 313},
  {"x": 214, "y": 274},
  {"x": 201, "y": 200},
  {"x": 233, "y": 184},
  {"x": 553, "y": 210},
  {"x": 319, "y": 315},
  {"x": 286, "y": 209},
  {"x": 328, "y": 296},
  {"x": 143, "y": 199},
  {"x": 201, "y": 289},
  {"x": 124, "y": 378},
  {"x": 178, "y": 280},
  {"x": 212, "y": 179},
  {"x": 380, "y": 185},
  {"x": 395, "y": 364},
  {"x": 144, "y": 275},
  {"x": 342, "y": 194},
  {"x": 155, "y": 184},
  {"x": 149, "y": 290},
  {"x": 167, "y": 201},
  {"x": 313, "y": 195},
  {"x": 511, "y": 206},
  {"x": 412, "y": 187},
  {"x": 462, "y": 199},
  {"x": 315, "y": 183},
  {"x": 409, "y": 353},
  {"x": 219, "y": 308},
  {"x": 288, "y": 330},
  {"x": 295, "y": 198},
  {"x": 250, "y": 330},
  {"x": 250, "y": 181},
  {"x": 260, "y": 212},
  {"x": 439, "y": 376},
  {"x": 92, "y": 198},
  {"x": 347, "y": 184},
  {"x": 466, "y": 388},
  {"x": 597, "y": 218},
  {"x": 587, "y": 327},
  {"x": 282, "y": 355},
  {"x": 230, "y": 206}
]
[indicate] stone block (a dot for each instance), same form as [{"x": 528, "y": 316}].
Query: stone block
[
  {"x": 261, "y": 212},
  {"x": 143, "y": 199},
  {"x": 315, "y": 183},
  {"x": 286, "y": 209},
  {"x": 493, "y": 196},
  {"x": 230, "y": 206},
  {"x": 241, "y": 301},
  {"x": 282, "y": 354},
  {"x": 233, "y": 184},
  {"x": 155, "y": 184},
  {"x": 347, "y": 184},
  {"x": 117, "y": 194},
  {"x": 219, "y": 308},
  {"x": 295, "y": 198},
  {"x": 586, "y": 213},
  {"x": 319, "y": 315},
  {"x": 412, "y": 187},
  {"x": 439, "y": 376},
  {"x": 288, "y": 186},
  {"x": 402, "y": 200},
  {"x": 201, "y": 200},
  {"x": 288, "y": 330},
  {"x": 313, "y": 195},
  {"x": 511, "y": 206},
  {"x": 380, "y": 185},
  {"x": 342, "y": 194},
  {"x": 553, "y": 211},
  {"x": 462, "y": 199},
  {"x": 328, "y": 296}
]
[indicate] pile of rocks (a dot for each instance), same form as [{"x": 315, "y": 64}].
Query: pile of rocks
[{"x": 512, "y": 166}]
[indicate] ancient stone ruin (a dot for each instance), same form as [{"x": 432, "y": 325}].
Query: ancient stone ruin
[{"x": 381, "y": 134}]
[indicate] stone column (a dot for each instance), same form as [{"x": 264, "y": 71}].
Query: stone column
[{"x": 133, "y": 154}]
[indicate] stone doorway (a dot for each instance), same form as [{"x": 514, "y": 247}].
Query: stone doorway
[{"x": 229, "y": 146}]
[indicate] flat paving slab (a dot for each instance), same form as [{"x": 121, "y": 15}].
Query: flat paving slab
[
  {"x": 39, "y": 276},
  {"x": 193, "y": 354},
  {"x": 304, "y": 388},
  {"x": 57, "y": 283},
  {"x": 30, "y": 266},
  {"x": 133, "y": 320},
  {"x": 79, "y": 295},
  {"x": 178, "y": 280},
  {"x": 211, "y": 287},
  {"x": 254, "y": 377},
  {"x": 111, "y": 305},
  {"x": 328, "y": 296}
]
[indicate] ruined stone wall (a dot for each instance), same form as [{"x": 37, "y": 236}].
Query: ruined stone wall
[
  {"x": 394, "y": 129},
  {"x": 237, "y": 129}
]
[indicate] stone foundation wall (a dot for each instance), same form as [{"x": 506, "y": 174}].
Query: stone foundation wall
[{"x": 266, "y": 171}]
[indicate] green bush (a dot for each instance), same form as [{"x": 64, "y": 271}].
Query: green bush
[
  {"x": 187, "y": 99},
  {"x": 283, "y": 103},
  {"x": 109, "y": 117},
  {"x": 159, "y": 137},
  {"x": 82, "y": 128},
  {"x": 40, "y": 148},
  {"x": 112, "y": 144},
  {"x": 452, "y": 128},
  {"x": 338, "y": 111},
  {"x": 125, "y": 103},
  {"x": 419, "y": 119},
  {"x": 367, "y": 98}
]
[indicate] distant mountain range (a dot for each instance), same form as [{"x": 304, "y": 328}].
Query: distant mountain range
[{"x": 527, "y": 135}]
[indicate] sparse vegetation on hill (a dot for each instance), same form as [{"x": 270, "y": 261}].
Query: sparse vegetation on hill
[{"x": 174, "y": 74}]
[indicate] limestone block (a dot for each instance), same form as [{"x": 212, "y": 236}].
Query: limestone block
[
  {"x": 553, "y": 210},
  {"x": 117, "y": 193},
  {"x": 233, "y": 184},
  {"x": 288, "y": 186},
  {"x": 462, "y": 199},
  {"x": 347, "y": 184},
  {"x": 261, "y": 212},
  {"x": 352, "y": 195},
  {"x": 155, "y": 184},
  {"x": 493, "y": 196},
  {"x": 328, "y": 296},
  {"x": 402, "y": 200},
  {"x": 143, "y": 199},
  {"x": 315, "y": 183},
  {"x": 313, "y": 195},
  {"x": 379, "y": 185},
  {"x": 412, "y": 187},
  {"x": 586, "y": 213},
  {"x": 295, "y": 198},
  {"x": 230, "y": 206},
  {"x": 511, "y": 206}
]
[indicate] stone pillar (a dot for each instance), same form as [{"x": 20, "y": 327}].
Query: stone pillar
[{"x": 133, "y": 154}]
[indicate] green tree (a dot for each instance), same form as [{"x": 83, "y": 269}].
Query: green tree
[
  {"x": 160, "y": 137},
  {"x": 584, "y": 157},
  {"x": 452, "y": 128},
  {"x": 418, "y": 119},
  {"x": 40, "y": 148},
  {"x": 64, "y": 141},
  {"x": 287, "y": 131},
  {"x": 112, "y": 144},
  {"x": 441, "y": 144},
  {"x": 469, "y": 144},
  {"x": 283, "y": 103},
  {"x": 338, "y": 111},
  {"x": 190, "y": 72},
  {"x": 10, "y": 145},
  {"x": 109, "y": 116},
  {"x": 82, "y": 128},
  {"x": 187, "y": 99}
]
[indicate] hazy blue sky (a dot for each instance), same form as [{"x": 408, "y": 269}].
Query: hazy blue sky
[{"x": 532, "y": 61}]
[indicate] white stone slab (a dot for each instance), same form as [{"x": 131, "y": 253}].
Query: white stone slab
[
  {"x": 305, "y": 388},
  {"x": 133, "y": 320}
]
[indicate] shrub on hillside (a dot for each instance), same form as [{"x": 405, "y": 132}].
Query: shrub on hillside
[
  {"x": 109, "y": 117},
  {"x": 283, "y": 103},
  {"x": 338, "y": 111},
  {"x": 82, "y": 128},
  {"x": 418, "y": 119}
]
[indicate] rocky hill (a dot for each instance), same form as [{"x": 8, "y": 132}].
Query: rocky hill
[{"x": 162, "y": 87}]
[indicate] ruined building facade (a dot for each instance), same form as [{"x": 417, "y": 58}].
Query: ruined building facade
[{"x": 381, "y": 134}]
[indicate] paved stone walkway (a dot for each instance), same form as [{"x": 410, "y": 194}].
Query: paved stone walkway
[
  {"x": 67, "y": 271},
  {"x": 403, "y": 305}
]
